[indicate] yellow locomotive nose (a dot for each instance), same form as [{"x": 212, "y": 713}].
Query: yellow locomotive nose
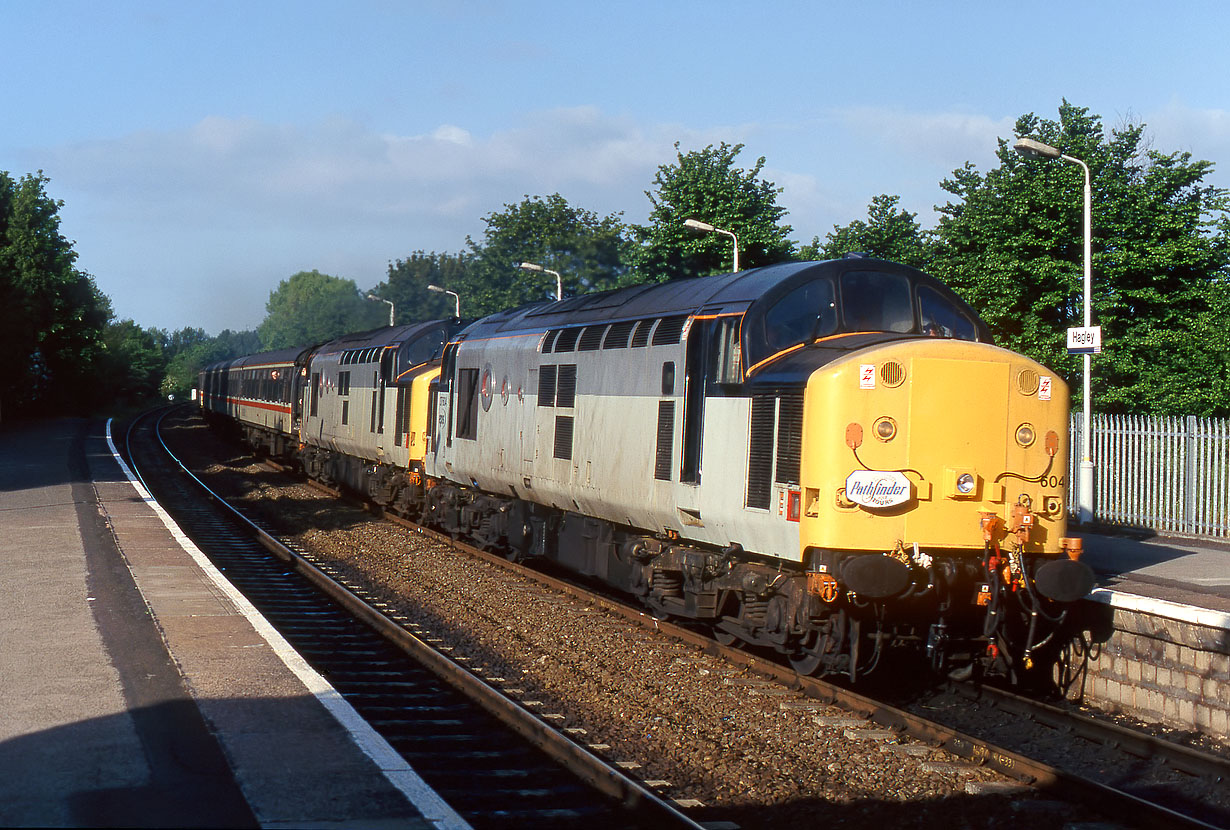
[{"x": 949, "y": 420}]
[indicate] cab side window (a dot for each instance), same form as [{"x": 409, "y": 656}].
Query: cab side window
[
  {"x": 940, "y": 318},
  {"x": 805, "y": 313}
]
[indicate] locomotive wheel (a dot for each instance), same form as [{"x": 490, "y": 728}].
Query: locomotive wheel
[
  {"x": 807, "y": 656},
  {"x": 805, "y": 662}
]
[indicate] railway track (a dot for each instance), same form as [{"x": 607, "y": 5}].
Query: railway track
[
  {"x": 1124, "y": 777},
  {"x": 494, "y": 759},
  {"x": 1123, "y": 788}
]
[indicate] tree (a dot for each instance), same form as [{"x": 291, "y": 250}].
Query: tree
[
  {"x": 51, "y": 314},
  {"x": 132, "y": 363},
  {"x": 705, "y": 185},
  {"x": 888, "y": 233},
  {"x": 311, "y": 307},
  {"x": 184, "y": 366},
  {"x": 1011, "y": 245},
  {"x": 589, "y": 252},
  {"x": 406, "y": 286}
]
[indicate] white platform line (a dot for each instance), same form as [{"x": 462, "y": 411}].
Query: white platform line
[
  {"x": 1161, "y": 608},
  {"x": 395, "y": 768}
]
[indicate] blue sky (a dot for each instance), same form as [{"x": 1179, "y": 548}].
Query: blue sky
[{"x": 206, "y": 151}]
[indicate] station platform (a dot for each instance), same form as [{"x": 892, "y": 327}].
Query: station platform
[
  {"x": 138, "y": 690},
  {"x": 1182, "y": 578}
]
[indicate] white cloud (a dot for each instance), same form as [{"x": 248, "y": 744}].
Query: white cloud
[
  {"x": 1205, "y": 133},
  {"x": 947, "y": 137},
  {"x": 157, "y": 214}
]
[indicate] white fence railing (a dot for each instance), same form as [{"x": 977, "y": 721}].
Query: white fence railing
[{"x": 1164, "y": 473}]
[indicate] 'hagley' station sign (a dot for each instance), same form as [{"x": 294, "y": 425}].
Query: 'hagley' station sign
[{"x": 1085, "y": 340}]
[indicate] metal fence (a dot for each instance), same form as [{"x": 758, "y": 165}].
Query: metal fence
[{"x": 1167, "y": 474}]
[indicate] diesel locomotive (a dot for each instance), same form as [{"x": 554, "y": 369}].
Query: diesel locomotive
[{"x": 826, "y": 459}]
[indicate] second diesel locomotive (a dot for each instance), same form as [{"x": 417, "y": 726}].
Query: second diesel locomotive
[{"x": 826, "y": 459}]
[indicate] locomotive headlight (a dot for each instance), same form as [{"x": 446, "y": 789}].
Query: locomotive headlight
[
  {"x": 1025, "y": 435},
  {"x": 966, "y": 483},
  {"x": 886, "y": 429}
]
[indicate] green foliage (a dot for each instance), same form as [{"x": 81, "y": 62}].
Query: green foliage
[
  {"x": 705, "y": 185},
  {"x": 888, "y": 233},
  {"x": 406, "y": 286},
  {"x": 311, "y": 307},
  {"x": 51, "y": 314},
  {"x": 132, "y": 363},
  {"x": 1011, "y": 244},
  {"x": 183, "y": 366},
  {"x": 589, "y": 252}
]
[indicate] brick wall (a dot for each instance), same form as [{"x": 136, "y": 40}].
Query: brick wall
[{"x": 1154, "y": 669}]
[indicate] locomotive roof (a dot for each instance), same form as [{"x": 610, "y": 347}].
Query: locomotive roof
[
  {"x": 384, "y": 336},
  {"x": 731, "y": 292}
]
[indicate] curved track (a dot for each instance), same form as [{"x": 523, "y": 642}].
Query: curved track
[{"x": 497, "y": 763}]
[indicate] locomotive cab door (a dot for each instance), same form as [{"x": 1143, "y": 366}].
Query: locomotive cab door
[{"x": 711, "y": 369}]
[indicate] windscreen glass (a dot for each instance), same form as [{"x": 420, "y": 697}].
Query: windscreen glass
[
  {"x": 874, "y": 301},
  {"x": 942, "y": 318}
]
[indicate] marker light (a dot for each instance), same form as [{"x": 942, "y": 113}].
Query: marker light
[
  {"x": 886, "y": 429},
  {"x": 1025, "y": 435}
]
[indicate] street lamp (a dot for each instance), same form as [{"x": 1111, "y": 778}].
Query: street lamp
[
  {"x": 452, "y": 294},
  {"x": 705, "y": 227},
  {"x": 559, "y": 282},
  {"x": 383, "y": 300},
  {"x": 1037, "y": 150}
]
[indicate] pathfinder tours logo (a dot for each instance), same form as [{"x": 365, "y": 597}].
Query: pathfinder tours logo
[{"x": 874, "y": 488}]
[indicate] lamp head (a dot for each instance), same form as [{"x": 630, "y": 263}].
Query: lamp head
[{"x": 1030, "y": 148}]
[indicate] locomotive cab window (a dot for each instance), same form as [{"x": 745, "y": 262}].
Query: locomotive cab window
[
  {"x": 875, "y": 301},
  {"x": 805, "y": 313},
  {"x": 941, "y": 318}
]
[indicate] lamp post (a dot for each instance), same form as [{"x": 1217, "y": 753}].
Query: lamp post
[
  {"x": 383, "y": 300},
  {"x": 705, "y": 227},
  {"x": 452, "y": 294},
  {"x": 559, "y": 282},
  {"x": 1030, "y": 148}
]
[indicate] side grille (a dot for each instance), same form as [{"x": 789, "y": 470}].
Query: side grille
[
  {"x": 591, "y": 338},
  {"x": 789, "y": 439},
  {"x": 669, "y": 330},
  {"x": 546, "y": 386},
  {"x": 760, "y": 453},
  {"x": 566, "y": 389},
  {"x": 563, "y": 436},
  {"x": 666, "y": 440}
]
